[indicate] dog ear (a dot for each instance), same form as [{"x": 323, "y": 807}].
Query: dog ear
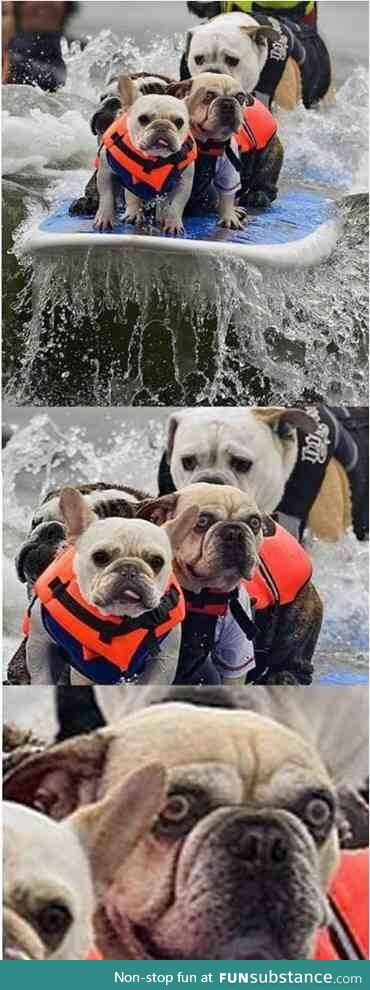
[
  {"x": 110, "y": 829},
  {"x": 179, "y": 88},
  {"x": 61, "y": 778},
  {"x": 76, "y": 512},
  {"x": 128, "y": 90},
  {"x": 179, "y": 528},
  {"x": 268, "y": 526},
  {"x": 261, "y": 33},
  {"x": 158, "y": 510},
  {"x": 285, "y": 422},
  {"x": 172, "y": 425}
]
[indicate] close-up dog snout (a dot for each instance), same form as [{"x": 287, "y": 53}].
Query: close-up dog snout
[
  {"x": 233, "y": 533},
  {"x": 260, "y": 844},
  {"x": 128, "y": 570}
]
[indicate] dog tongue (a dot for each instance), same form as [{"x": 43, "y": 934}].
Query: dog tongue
[
  {"x": 131, "y": 594},
  {"x": 162, "y": 143}
]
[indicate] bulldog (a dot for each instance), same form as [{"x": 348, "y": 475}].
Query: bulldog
[
  {"x": 153, "y": 133},
  {"x": 238, "y": 860},
  {"x": 114, "y": 568},
  {"x": 281, "y": 61},
  {"x": 220, "y": 120},
  {"x": 308, "y": 466},
  {"x": 54, "y": 870},
  {"x": 110, "y": 107},
  {"x": 235, "y": 554},
  {"x": 47, "y": 537}
]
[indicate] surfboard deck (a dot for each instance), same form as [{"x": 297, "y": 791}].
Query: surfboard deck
[{"x": 300, "y": 228}]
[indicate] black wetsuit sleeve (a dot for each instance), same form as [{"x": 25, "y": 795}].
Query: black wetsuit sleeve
[{"x": 36, "y": 60}]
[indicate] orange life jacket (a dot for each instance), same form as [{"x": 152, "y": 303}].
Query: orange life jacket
[
  {"x": 144, "y": 175},
  {"x": 86, "y": 634},
  {"x": 284, "y": 569},
  {"x": 348, "y": 936},
  {"x": 257, "y": 129}
]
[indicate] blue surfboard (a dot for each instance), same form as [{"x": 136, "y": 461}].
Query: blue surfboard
[{"x": 300, "y": 228}]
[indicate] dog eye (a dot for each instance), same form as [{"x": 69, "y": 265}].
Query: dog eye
[
  {"x": 176, "y": 809},
  {"x": 101, "y": 558},
  {"x": 189, "y": 463},
  {"x": 199, "y": 59},
  {"x": 240, "y": 464},
  {"x": 231, "y": 61},
  {"x": 179, "y": 123},
  {"x": 205, "y": 520},
  {"x": 144, "y": 119},
  {"x": 254, "y": 523},
  {"x": 318, "y": 812},
  {"x": 54, "y": 919},
  {"x": 240, "y": 97},
  {"x": 156, "y": 563}
]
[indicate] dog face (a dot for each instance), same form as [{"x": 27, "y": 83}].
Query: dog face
[
  {"x": 122, "y": 566},
  {"x": 239, "y": 858},
  {"x": 46, "y": 913},
  {"x": 233, "y": 44},
  {"x": 254, "y": 449},
  {"x": 157, "y": 125},
  {"x": 215, "y": 104},
  {"x": 223, "y": 545},
  {"x": 48, "y": 531}
]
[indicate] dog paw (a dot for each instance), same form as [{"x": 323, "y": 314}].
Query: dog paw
[
  {"x": 104, "y": 221},
  {"x": 257, "y": 200},
  {"x": 132, "y": 216},
  {"x": 236, "y": 221},
  {"x": 172, "y": 226}
]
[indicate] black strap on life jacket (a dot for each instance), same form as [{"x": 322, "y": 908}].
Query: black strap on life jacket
[
  {"x": 224, "y": 147},
  {"x": 343, "y": 938},
  {"x": 148, "y": 166},
  {"x": 109, "y": 630},
  {"x": 229, "y": 599}
]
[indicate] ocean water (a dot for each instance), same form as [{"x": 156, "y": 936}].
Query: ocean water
[
  {"x": 55, "y": 446},
  {"x": 205, "y": 330}
]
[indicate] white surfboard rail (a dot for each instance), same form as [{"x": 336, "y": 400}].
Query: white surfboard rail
[{"x": 304, "y": 252}]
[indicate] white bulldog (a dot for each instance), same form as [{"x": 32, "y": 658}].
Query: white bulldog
[{"x": 232, "y": 43}]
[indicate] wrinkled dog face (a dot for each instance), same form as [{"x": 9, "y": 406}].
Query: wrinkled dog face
[
  {"x": 158, "y": 125},
  {"x": 48, "y": 530},
  {"x": 215, "y": 104},
  {"x": 234, "y": 44},
  {"x": 239, "y": 858},
  {"x": 122, "y": 566},
  {"x": 232, "y": 856},
  {"x": 46, "y": 913},
  {"x": 223, "y": 545},
  {"x": 253, "y": 449}
]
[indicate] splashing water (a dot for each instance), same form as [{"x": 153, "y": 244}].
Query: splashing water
[
  {"x": 200, "y": 330},
  {"x": 43, "y": 455}
]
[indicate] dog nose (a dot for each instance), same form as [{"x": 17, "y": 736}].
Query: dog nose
[
  {"x": 261, "y": 845},
  {"x": 129, "y": 571},
  {"x": 232, "y": 533},
  {"x": 211, "y": 479}
]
